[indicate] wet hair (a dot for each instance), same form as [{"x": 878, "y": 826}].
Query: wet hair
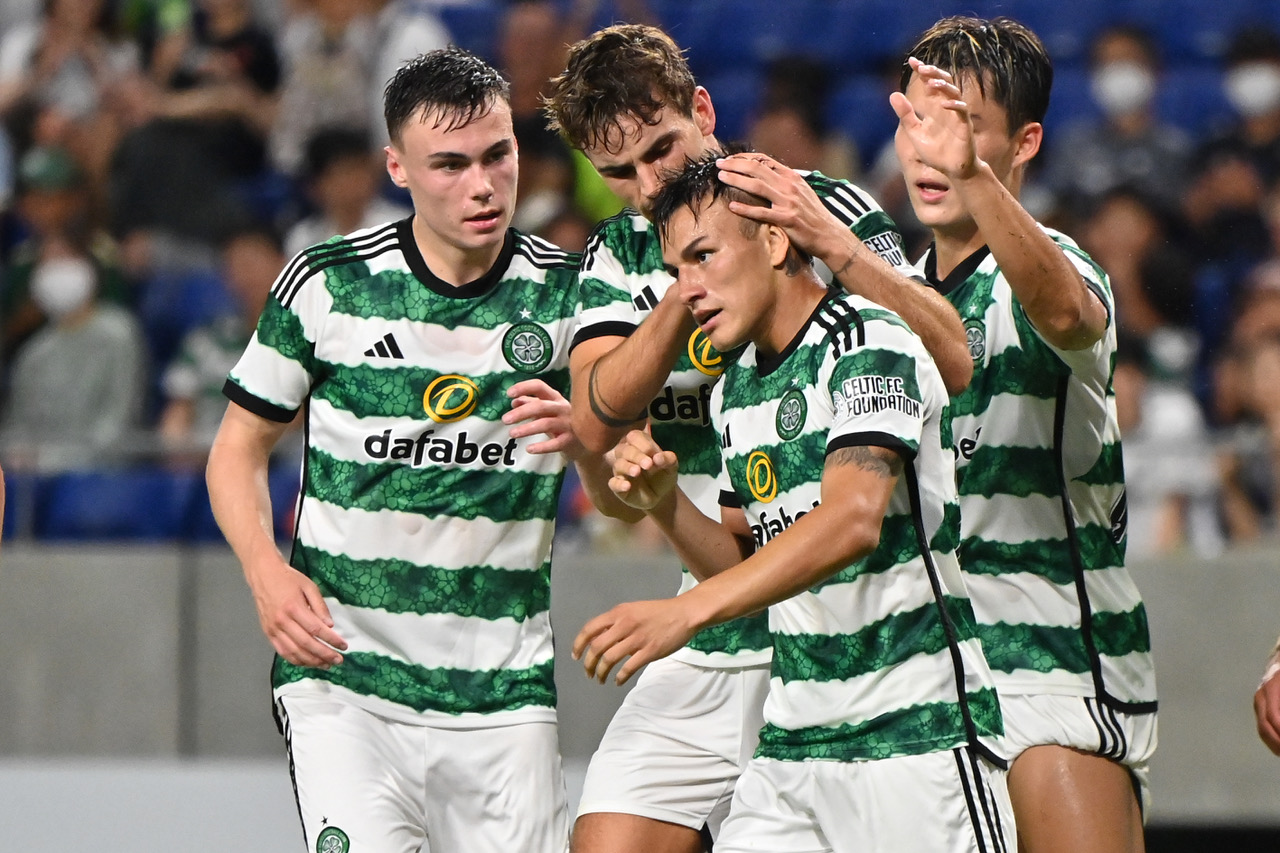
[
  {"x": 1006, "y": 60},
  {"x": 456, "y": 85},
  {"x": 697, "y": 185},
  {"x": 629, "y": 70}
]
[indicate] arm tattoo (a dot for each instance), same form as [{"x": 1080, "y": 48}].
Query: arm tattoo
[
  {"x": 877, "y": 460},
  {"x": 598, "y": 405}
]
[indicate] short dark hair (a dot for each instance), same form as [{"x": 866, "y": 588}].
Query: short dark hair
[
  {"x": 458, "y": 84},
  {"x": 625, "y": 70},
  {"x": 699, "y": 184},
  {"x": 1006, "y": 59}
]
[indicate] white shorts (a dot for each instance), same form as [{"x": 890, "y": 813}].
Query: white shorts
[
  {"x": 372, "y": 785},
  {"x": 1083, "y": 723},
  {"x": 676, "y": 747},
  {"x": 941, "y": 802}
]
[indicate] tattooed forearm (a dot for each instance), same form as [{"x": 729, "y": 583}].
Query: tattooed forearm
[
  {"x": 877, "y": 460},
  {"x": 598, "y": 405}
]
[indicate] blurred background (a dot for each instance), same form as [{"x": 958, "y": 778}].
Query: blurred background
[{"x": 161, "y": 160}]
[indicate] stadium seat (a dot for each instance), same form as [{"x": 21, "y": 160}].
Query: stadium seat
[
  {"x": 1191, "y": 98},
  {"x": 129, "y": 504},
  {"x": 1195, "y": 32},
  {"x": 474, "y": 26},
  {"x": 859, "y": 108},
  {"x": 1070, "y": 101},
  {"x": 735, "y": 94}
]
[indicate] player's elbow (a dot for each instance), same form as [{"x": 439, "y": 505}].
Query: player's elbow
[
  {"x": 1071, "y": 329},
  {"x": 957, "y": 373}
]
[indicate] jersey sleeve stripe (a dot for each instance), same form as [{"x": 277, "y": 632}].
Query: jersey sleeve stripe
[
  {"x": 327, "y": 255},
  {"x": 873, "y": 439},
  {"x": 614, "y": 328},
  {"x": 323, "y": 251},
  {"x": 258, "y": 406}
]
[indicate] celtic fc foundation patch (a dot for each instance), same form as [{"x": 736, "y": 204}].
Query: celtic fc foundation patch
[
  {"x": 527, "y": 347},
  {"x": 791, "y": 415},
  {"x": 333, "y": 840}
]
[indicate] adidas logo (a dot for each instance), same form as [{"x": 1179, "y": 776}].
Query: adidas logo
[
  {"x": 385, "y": 348},
  {"x": 646, "y": 301}
]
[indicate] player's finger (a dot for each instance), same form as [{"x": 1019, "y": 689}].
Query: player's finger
[
  {"x": 555, "y": 444},
  {"x": 905, "y": 111},
  {"x": 539, "y": 424},
  {"x": 533, "y": 388},
  {"x": 588, "y": 633},
  {"x": 631, "y": 665}
]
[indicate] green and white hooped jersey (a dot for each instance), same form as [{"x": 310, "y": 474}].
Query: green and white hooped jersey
[
  {"x": 881, "y": 659},
  {"x": 623, "y": 279},
  {"x": 426, "y": 526},
  {"x": 1042, "y": 498}
]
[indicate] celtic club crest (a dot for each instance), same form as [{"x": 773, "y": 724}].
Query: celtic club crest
[
  {"x": 527, "y": 347},
  {"x": 791, "y": 414},
  {"x": 333, "y": 840},
  {"x": 976, "y": 336}
]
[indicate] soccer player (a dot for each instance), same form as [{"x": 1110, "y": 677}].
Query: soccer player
[
  {"x": 665, "y": 769},
  {"x": 882, "y": 722},
  {"x": 1042, "y": 500},
  {"x": 413, "y": 677},
  {"x": 1266, "y": 702}
]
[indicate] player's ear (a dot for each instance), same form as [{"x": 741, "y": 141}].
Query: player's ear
[
  {"x": 1027, "y": 142},
  {"x": 704, "y": 112},
  {"x": 394, "y": 168},
  {"x": 779, "y": 245}
]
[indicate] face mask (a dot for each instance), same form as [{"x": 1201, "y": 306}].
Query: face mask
[
  {"x": 1254, "y": 88},
  {"x": 62, "y": 286},
  {"x": 1123, "y": 87}
]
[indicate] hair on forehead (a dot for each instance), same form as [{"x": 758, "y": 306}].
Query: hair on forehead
[
  {"x": 624, "y": 71},
  {"x": 1004, "y": 59},
  {"x": 451, "y": 85}
]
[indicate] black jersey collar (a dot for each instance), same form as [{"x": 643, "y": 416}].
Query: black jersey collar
[
  {"x": 958, "y": 276},
  {"x": 766, "y": 364},
  {"x": 470, "y": 290}
]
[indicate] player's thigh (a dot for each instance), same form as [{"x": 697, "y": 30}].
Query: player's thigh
[
  {"x": 1083, "y": 725},
  {"x": 614, "y": 832},
  {"x": 497, "y": 790},
  {"x": 954, "y": 801},
  {"x": 1067, "y": 800},
  {"x": 773, "y": 810},
  {"x": 677, "y": 745},
  {"x": 354, "y": 776}
]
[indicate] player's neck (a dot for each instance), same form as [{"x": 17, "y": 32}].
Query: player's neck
[
  {"x": 797, "y": 297},
  {"x": 453, "y": 264},
  {"x": 951, "y": 246}
]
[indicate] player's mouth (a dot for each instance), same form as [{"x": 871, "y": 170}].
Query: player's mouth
[
  {"x": 930, "y": 191},
  {"x": 706, "y": 318},
  {"x": 485, "y": 220}
]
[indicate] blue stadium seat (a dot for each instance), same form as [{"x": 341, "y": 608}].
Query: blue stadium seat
[
  {"x": 282, "y": 483},
  {"x": 859, "y": 108},
  {"x": 1067, "y": 29},
  {"x": 474, "y": 26},
  {"x": 130, "y": 504},
  {"x": 735, "y": 94},
  {"x": 1070, "y": 101},
  {"x": 1191, "y": 97},
  {"x": 1198, "y": 32}
]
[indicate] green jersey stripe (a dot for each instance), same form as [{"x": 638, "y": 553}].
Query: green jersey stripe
[
  {"x": 397, "y": 586},
  {"x": 1048, "y": 558},
  {"x": 427, "y": 690},
  {"x": 914, "y": 730},
  {"x": 884, "y": 643},
  {"x": 1046, "y": 648},
  {"x": 1018, "y": 471}
]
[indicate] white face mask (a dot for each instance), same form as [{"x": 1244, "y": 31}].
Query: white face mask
[
  {"x": 62, "y": 286},
  {"x": 1254, "y": 88},
  {"x": 1123, "y": 87}
]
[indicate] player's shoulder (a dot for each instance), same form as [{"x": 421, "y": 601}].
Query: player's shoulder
[
  {"x": 313, "y": 263},
  {"x": 543, "y": 254},
  {"x": 838, "y": 190},
  {"x": 627, "y": 239},
  {"x": 853, "y": 322}
]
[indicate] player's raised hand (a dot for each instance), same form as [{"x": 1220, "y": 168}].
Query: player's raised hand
[
  {"x": 794, "y": 206},
  {"x": 1266, "y": 706},
  {"x": 938, "y": 124},
  {"x": 293, "y": 615},
  {"x": 539, "y": 409},
  {"x": 643, "y": 473},
  {"x": 639, "y": 631}
]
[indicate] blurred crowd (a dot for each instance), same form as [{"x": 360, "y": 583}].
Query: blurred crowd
[{"x": 161, "y": 160}]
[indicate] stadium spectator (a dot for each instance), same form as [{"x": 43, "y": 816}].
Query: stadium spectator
[
  {"x": 192, "y": 383},
  {"x": 341, "y": 178},
  {"x": 791, "y": 124},
  {"x": 1129, "y": 145},
  {"x": 1251, "y": 82},
  {"x": 54, "y": 211},
  {"x": 202, "y": 135},
  {"x": 77, "y": 385}
]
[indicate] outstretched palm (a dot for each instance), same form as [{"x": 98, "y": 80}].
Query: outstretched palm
[{"x": 938, "y": 123}]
